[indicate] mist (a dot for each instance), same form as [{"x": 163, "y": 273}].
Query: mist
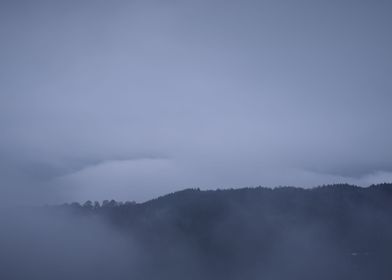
[
  {"x": 43, "y": 244},
  {"x": 155, "y": 139},
  {"x": 331, "y": 232},
  {"x": 150, "y": 97}
]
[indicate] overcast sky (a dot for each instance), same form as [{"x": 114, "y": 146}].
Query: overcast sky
[{"x": 134, "y": 99}]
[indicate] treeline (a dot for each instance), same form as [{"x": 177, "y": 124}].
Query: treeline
[
  {"x": 90, "y": 205},
  {"x": 336, "y": 191}
]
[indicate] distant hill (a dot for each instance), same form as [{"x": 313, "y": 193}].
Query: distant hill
[{"x": 329, "y": 232}]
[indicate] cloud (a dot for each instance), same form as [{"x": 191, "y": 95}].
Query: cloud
[
  {"x": 133, "y": 179},
  {"x": 235, "y": 95}
]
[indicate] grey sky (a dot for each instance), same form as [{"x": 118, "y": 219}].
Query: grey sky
[{"x": 132, "y": 99}]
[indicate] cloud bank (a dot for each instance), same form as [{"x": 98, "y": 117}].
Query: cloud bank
[{"x": 136, "y": 98}]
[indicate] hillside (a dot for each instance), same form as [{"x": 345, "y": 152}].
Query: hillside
[{"x": 329, "y": 232}]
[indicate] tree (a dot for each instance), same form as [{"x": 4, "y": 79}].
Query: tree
[
  {"x": 96, "y": 205},
  {"x": 88, "y": 204}
]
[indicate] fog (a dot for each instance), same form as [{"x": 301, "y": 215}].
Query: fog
[
  {"x": 38, "y": 244},
  {"x": 134, "y": 99},
  {"x": 334, "y": 232}
]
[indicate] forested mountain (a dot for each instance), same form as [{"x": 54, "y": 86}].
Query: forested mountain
[{"x": 328, "y": 232}]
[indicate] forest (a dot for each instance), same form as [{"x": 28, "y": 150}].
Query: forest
[{"x": 328, "y": 232}]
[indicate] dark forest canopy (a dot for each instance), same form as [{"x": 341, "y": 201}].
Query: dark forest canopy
[
  {"x": 341, "y": 230},
  {"x": 329, "y": 232}
]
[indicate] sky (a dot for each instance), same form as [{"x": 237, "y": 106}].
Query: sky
[{"x": 134, "y": 99}]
